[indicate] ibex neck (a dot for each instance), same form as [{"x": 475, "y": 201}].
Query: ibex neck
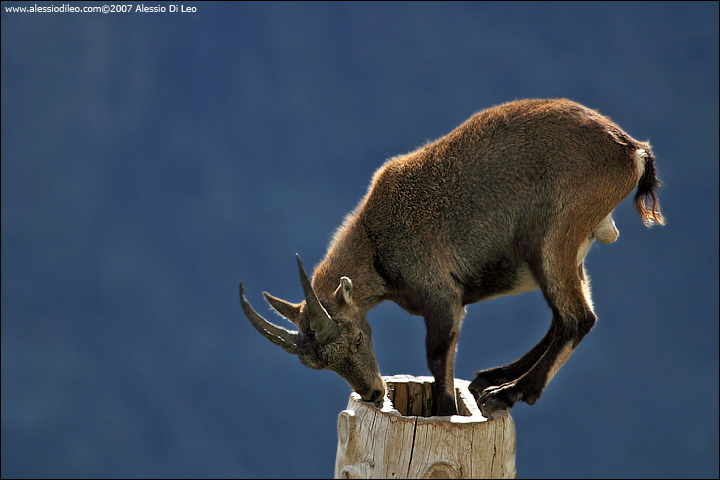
[{"x": 350, "y": 255}]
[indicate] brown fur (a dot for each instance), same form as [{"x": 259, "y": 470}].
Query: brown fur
[{"x": 452, "y": 223}]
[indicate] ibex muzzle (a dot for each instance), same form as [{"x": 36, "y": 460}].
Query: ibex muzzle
[{"x": 341, "y": 342}]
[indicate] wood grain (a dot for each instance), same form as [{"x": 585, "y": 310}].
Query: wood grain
[{"x": 401, "y": 440}]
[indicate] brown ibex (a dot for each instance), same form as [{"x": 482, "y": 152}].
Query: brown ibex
[{"x": 508, "y": 202}]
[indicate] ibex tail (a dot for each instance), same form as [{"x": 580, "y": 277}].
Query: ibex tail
[{"x": 646, "y": 201}]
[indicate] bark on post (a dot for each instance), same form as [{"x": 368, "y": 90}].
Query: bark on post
[{"x": 401, "y": 440}]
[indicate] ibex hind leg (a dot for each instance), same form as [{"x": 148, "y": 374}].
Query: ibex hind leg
[
  {"x": 499, "y": 375},
  {"x": 565, "y": 288}
]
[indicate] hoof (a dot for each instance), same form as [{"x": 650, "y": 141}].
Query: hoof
[
  {"x": 477, "y": 386},
  {"x": 495, "y": 398},
  {"x": 483, "y": 380},
  {"x": 494, "y": 414},
  {"x": 503, "y": 397}
]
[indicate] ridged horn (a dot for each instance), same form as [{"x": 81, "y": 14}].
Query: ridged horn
[
  {"x": 287, "y": 339},
  {"x": 325, "y": 327}
]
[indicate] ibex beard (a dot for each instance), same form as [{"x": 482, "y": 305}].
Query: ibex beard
[{"x": 508, "y": 202}]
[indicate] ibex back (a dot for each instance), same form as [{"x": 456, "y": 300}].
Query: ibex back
[{"x": 508, "y": 202}]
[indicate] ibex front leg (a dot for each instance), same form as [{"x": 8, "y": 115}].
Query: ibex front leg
[
  {"x": 443, "y": 328},
  {"x": 565, "y": 287}
]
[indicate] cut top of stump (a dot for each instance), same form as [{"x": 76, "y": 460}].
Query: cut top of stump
[
  {"x": 402, "y": 440},
  {"x": 410, "y": 396}
]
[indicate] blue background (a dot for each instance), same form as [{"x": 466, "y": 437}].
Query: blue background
[{"x": 152, "y": 161}]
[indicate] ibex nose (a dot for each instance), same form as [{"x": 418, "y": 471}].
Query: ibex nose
[
  {"x": 377, "y": 398},
  {"x": 375, "y": 393}
]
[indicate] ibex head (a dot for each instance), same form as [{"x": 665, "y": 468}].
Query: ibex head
[{"x": 339, "y": 339}]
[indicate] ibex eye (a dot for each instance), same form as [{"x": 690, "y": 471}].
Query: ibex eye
[{"x": 359, "y": 339}]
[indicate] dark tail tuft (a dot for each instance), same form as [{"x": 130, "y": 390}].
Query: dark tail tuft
[{"x": 646, "y": 201}]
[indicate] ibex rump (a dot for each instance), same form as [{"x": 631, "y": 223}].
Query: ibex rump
[{"x": 508, "y": 202}]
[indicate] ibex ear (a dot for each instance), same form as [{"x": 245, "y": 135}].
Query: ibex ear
[
  {"x": 291, "y": 311},
  {"x": 343, "y": 293}
]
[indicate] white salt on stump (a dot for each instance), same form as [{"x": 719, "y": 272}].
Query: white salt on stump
[{"x": 402, "y": 440}]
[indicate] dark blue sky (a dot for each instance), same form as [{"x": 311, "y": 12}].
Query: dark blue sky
[{"x": 152, "y": 161}]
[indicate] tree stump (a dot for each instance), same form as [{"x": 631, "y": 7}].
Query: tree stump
[{"x": 402, "y": 440}]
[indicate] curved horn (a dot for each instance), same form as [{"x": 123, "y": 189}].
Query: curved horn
[
  {"x": 288, "y": 310},
  {"x": 287, "y": 339},
  {"x": 324, "y": 326}
]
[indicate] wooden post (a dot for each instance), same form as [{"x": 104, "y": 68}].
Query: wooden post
[{"x": 402, "y": 440}]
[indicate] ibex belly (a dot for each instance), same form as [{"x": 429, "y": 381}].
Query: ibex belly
[
  {"x": 521, "y": 279},
  {"x": 497, "y": 278},
  {"x": 524, "y": 282}
]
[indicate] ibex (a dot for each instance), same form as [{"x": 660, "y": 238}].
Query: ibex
[{"x": 508, "y": 202}]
